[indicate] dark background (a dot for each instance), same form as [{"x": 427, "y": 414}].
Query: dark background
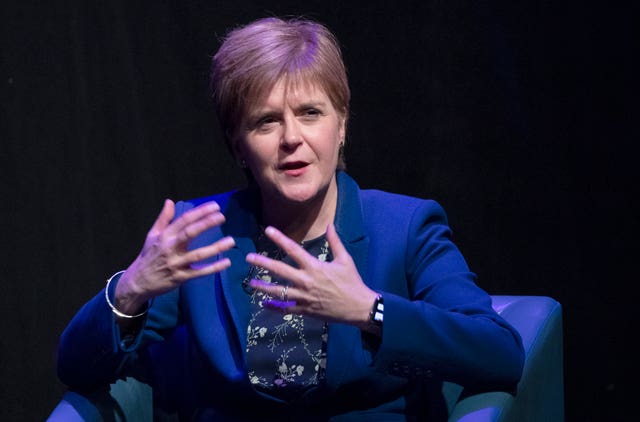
[{"x": 518, "y": 117}]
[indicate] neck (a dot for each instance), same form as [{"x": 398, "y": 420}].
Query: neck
[{"x": 302, "y": 221}]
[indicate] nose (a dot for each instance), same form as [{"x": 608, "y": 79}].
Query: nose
[{"x": 291, "y": 135}]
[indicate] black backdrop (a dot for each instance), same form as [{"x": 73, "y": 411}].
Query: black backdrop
[{"x": 517, "y": 117}]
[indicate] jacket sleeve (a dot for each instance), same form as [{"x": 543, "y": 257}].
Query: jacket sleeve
[
  {"x": 93, "y": 352},
  {"x": 445, "y": 326}
]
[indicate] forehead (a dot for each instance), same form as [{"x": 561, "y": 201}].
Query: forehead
[{"x": 290, "y": 91}]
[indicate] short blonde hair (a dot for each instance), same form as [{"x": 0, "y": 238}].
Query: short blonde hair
[{"x": 254, "y": 57}]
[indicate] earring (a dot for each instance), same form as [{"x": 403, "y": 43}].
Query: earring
[{"x": 243, "y": 164}]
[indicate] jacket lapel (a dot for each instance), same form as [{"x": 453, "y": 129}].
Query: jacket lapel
[
  {"x": 345, "y": 339},
  {"x": 235, "y": 298},
  {"x": 241, "y": 224},
  {"x": 229, "y": 303}
]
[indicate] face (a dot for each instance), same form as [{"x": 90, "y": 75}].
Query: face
[{"x": 290, "y": 143}]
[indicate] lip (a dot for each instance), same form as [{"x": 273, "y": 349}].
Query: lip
[{"x": 293, "y": 168}]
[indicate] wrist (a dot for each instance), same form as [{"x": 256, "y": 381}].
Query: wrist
[
  {"x": 371, "y": 319},
  {"x": 128, "y": 293},
  {"x": 376, "y": 315},
  {"x": 120, "y": 298}
]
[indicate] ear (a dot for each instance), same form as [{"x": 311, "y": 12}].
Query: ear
[{"x": 343, "y": 126}]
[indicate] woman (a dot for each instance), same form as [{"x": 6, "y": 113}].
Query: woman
[{"x": 301, "y": 296}]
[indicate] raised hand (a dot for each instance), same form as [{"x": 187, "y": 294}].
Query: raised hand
[
  {"x": 330, "y": 291},
  {"x": 165, "y": 261}
]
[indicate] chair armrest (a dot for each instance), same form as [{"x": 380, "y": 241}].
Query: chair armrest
[
  {"x": 125, "y": 400},
  {"x": 540, "y": 395}
]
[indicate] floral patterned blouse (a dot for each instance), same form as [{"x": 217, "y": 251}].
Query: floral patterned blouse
[{"x": 286, "y": 354}]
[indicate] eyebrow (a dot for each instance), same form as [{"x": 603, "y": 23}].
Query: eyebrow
[
  {"x": 266, "y": 111},
  {"x": 311, "y": 104}
]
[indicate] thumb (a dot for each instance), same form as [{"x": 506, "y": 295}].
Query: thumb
[{"x": 165, "y": 217}]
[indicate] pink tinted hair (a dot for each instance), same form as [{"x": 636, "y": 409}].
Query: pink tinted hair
[{"x": 253, "y": 58}]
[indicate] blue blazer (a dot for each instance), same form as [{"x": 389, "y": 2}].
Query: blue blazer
[{"x": 438, "y": 324}]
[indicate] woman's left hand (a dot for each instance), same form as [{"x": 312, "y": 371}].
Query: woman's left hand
[{"x": 330, "y": 291}]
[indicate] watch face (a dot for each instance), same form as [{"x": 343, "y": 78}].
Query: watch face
[
  {"x": 377, "y": 314},
  {"x": 378, "y": 317}
]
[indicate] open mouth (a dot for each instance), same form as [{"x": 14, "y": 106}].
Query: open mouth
[{"x": 294, "y": 165}]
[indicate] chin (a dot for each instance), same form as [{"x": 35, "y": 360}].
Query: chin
[
  {"x": 299, "y": 197},
  {"x": 298, "y": 192}
]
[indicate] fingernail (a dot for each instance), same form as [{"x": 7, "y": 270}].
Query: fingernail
[{"x": 270, "y": 230}]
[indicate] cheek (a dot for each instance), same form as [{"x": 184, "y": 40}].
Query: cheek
[
  {"x": 239, "y": 149},
  {"x": 259, "y": 153},
  {"x": 333, "y": 138}
]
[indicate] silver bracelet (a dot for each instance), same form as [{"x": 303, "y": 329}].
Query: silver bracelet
[{"x": 113, "y": 308}]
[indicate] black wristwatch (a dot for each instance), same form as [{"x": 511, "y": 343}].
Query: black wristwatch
[{"x": 376, "y": 316}]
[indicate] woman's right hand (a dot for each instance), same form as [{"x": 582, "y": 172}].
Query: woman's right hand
[{"x": 165, "y": 261}]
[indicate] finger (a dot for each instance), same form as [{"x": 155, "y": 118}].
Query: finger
[
  {"x": 187, "y": 273},
  {"x": 291, "y": 247},
  {"x": 196, "y": 228},
  {"x": 337, "y": 248},
  {"x": 277, "y": 267},
  {"x": 194, "y": 222},
  {"x": 195, "y": 214},
  {"x": 288, "y": 307},
  {"x": 276, "y": 292},
  {"x": 164, "y": 218},
  {"x": 200, "y": 254},
  {"x": 198, "y": 270}
]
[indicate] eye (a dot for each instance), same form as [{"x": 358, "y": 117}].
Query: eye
[
  {"x": 311, "y": 113},
  {"x": 264, "y": 123},
  {"x": 266, "y": 120}
]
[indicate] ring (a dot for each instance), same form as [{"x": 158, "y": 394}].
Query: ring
[{"x": 283, "y": 295}]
